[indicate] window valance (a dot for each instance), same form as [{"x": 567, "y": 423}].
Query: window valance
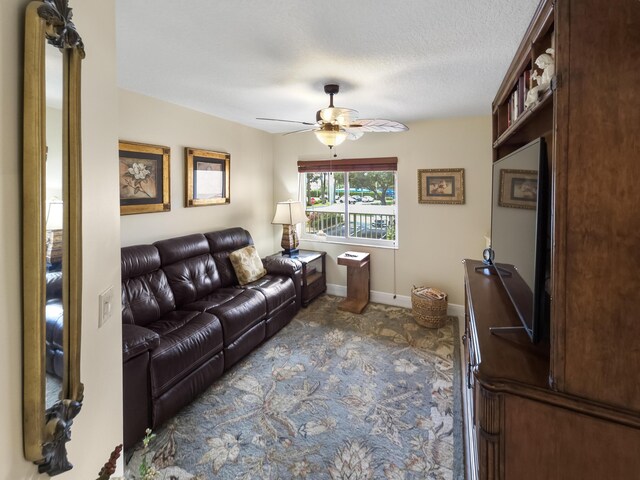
[{"x": 384, "y": 164}]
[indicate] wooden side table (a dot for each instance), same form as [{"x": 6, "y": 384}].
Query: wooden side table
[
  {"x": 314, "y": 280},
  {"x": 357, "y": 264}
]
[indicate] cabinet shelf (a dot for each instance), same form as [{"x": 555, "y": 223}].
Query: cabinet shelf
[
  {"x": 524, "y": 119},
  {"x": 314, "y": 277}
]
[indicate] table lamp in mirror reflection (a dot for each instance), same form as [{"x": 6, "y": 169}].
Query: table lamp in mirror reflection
[{"x": 289, "y": 214}]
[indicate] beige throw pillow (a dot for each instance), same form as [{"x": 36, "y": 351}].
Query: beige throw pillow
[{"x": 247, "y": 264}]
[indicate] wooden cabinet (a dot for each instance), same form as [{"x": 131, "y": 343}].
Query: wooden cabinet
[
  {"x": 570, "y": 407},
  {"x": 516, "y": 425}
]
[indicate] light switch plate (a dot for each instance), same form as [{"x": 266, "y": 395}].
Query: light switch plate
[{"x": 106, "y": 306}]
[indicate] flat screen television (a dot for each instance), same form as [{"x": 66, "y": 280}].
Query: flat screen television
[{"x": 519, "y": 218}]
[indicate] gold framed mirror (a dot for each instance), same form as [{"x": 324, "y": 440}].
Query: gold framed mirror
[{"x": 52, "y": 233}]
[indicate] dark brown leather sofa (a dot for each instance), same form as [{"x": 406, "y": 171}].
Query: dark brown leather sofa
[
  {"x": 54, "y": 318},
  {"x": 186, "y": 320}
]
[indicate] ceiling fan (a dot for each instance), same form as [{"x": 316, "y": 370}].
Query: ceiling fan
[{"x": 334, "y": 125}]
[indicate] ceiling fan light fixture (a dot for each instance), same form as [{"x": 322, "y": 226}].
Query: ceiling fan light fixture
[
  {"x": 330, "y": 137},
  {"x": 329, "y": 114},
  {"x": 334, "y": 125},
  {"x": 338, "y": 116}
]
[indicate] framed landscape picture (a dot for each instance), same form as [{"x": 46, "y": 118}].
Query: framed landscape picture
[
  {"x": 144, "y": 178},
  {"x": 441, "y": 185},
  {"x": 208, "y": 177},
  {"x": 518, "y": 188}
]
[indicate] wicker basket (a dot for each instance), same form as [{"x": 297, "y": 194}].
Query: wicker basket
[{"x": 429, "y": 306}]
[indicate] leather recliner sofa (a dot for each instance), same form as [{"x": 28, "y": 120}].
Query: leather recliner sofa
[
  {"x": 54, "y": 318},
  {"x": 186, "y": 319}
]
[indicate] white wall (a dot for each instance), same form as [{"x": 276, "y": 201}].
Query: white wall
[
  {"x": 147, "y": 120},
  {"x": 433, "y": 239},
  {"x": 54, "y": 153},
  {"x": 98, "y": 428}
]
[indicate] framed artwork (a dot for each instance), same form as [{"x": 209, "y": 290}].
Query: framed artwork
[
  {"x": 518, "y": 188},
  {"x": 144, "y": 178},
  {"x": 441, "y": 185},
  {"x": 208, "y": 177}
]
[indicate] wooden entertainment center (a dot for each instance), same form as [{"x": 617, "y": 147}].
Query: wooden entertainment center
[{"x": 568, "y": 407}]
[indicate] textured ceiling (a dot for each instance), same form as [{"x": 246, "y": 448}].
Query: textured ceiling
[{"x": 404, "y": 60}]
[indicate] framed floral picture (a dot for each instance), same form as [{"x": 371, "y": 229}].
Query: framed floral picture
[
  {"x": 441, "y": 185},
  {"x": 144, "y": 178},
  {"x": 518, "y": 189},
  {"x": 207, "y": 177}
]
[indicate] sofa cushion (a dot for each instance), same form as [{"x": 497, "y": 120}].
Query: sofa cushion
[
  {"x": 54, "y": 318},
  {"x": 237, "y": 309},
  {"x": 278, "y": 291},
  {"x": 247, "y": 265},
  {"x": 192, "y": 278},
  {"x": 187, "y": 340},
  {"x": 221, "y": 244},
  {"x": 139, "y": 260},
  {"x": 54, "y": 286},
  {"x": 190, "y": 269},
  {"x": 175, "y": 249},
  {"x": 146, "y": 298},
  {"x": 146, "y": 295}
]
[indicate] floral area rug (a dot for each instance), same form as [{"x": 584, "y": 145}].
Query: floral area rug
[{"x": 333, "y": 395}]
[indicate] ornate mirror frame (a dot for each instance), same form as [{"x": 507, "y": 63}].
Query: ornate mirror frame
[{"x": 46, "y": 431}]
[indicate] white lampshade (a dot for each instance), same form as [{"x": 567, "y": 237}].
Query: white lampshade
[
  {"x": 55, "y": 212},
  {"x": 330, "y": 137},
  {"x": 290, "y": 212}
]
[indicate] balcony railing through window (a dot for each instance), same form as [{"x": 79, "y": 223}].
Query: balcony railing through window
[{"x": 361, "y": 225}]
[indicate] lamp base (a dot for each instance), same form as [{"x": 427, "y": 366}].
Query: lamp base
[
  {"x": 289, "y": 241},
  {"x": 294, "y": 252}
]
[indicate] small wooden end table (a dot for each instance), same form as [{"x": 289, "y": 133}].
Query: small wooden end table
[
  {"x": 358, "y": 280},
  {"x": 314, "y": 279}
]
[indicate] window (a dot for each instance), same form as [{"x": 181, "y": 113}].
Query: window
[{"x": 351, "y": 200}]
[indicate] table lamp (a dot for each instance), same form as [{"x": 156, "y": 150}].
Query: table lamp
[
  {"x": 54, "y": 226},
  {"x": 289, "y": 214}
]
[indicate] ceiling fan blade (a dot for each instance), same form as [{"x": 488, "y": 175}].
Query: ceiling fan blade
[
  {"x": 288, "y": 121},
  {"x": 378, "y": 125},
  {"x": 299, "y": 131},
  {"x": 353, "y": 134}
]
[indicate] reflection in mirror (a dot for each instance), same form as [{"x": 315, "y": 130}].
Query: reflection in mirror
[
  {"x": 52, "y": 234},
  {"x": 54, "y": 224}
]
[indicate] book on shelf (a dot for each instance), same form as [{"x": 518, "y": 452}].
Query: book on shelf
[
  {"x": 515, "y": 104},
  {"x": 522, "y": 93}
]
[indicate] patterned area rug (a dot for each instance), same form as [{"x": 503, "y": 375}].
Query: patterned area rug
[{"x": 333, "y": 395}]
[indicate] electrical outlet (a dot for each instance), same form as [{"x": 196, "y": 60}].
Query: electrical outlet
[{"x": 106, "y": 305}]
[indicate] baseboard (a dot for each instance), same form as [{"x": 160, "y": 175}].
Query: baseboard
[{"x": 397, "y": 301}]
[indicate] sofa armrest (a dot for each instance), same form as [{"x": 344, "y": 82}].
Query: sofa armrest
[
  {"x": 282, "y": 266},
  {"x": 286, "y": 266},
  {"x": 137, "y": 340}
]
